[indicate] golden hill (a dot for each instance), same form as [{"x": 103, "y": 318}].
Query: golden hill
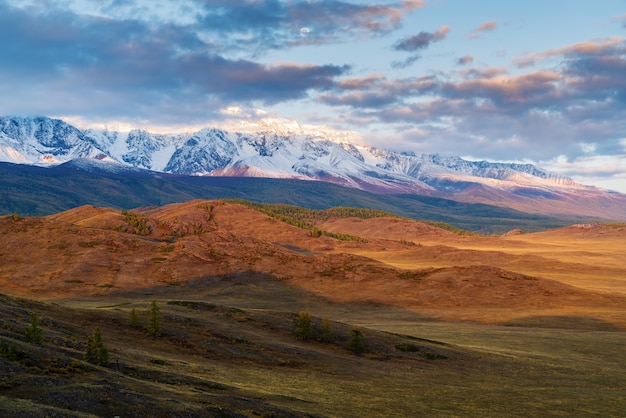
[{"x": 404, "y": 263}]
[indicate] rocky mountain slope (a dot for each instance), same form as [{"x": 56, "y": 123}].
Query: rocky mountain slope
[{"x": 287, "y": 151}]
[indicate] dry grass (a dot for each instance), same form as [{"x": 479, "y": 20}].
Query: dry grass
[
  {"x": 590, "y": 258},
  {"x": 248, "y": 361},
  {"x": 531, "y": 324}
]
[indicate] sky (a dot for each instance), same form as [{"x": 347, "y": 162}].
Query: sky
[{"x": 534, "y": 81}]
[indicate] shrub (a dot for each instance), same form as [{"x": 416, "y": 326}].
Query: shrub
[
  {"x": 433, "y": 356},
  {"x": 205, "y": 306},
  {"x": 11, "y": 353},
  {"x": 407, "y": 347}
]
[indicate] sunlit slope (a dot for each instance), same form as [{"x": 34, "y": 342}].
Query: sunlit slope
[
  {"x": 380, "y": 260},
  {"x": 587, "y": 256}
]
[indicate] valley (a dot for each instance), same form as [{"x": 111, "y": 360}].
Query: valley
[{"x": 454, "y": 324}]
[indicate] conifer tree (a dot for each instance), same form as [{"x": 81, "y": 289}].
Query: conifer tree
[
  {"x": 356, "y": 342},
  {"x": 154, "y": 321},
  {"x": 33, "y": 332},
  {"x": 304, "y": 328},
  {"x": 97, "y": 352}
]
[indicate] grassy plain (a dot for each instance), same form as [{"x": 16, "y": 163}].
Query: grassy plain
[
  {"x": 223, "y": 361},
  {"x": 518, "y": 325},
  {"x": 589, "y": 256}
]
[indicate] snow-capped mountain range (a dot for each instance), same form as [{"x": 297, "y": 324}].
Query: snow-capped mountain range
[{"x": 285, "y": 150}]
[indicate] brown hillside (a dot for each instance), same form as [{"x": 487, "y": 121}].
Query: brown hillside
[
  {"x": 88, "y": 216},
  {"x": 90, "y": 251},
  {"x": 393, "y": 229}
]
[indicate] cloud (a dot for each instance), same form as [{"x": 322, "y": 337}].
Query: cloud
[
  {"x": 603, "y": 170},
  {"x": 485, "y": 27},
  {"x": 249, "y": 81},
  {"x": 621, "y": 19},
  {"x": 600, "y": 46},
  {"x": 264, "y": 25},
  {"x": 405, "y": 63},
  {"x": 483, "y": 73},
  {"x": 533, "y": 88},
  {"x": 376, "y": 91},
  {"x": 57, "y": 61},
  {"x": 422, "y": 40},
  {"x": 573, "y": 106},
  {"x": 592, "y": 71},
  {"x": 465, "y": 60},
  {"x": 410, "y": 5},
  {"x": 248, "y": 27}
]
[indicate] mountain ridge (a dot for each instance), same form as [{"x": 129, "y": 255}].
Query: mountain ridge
[
  {"x": 34, "y": 190},
  {"x": 55, "y": 141},
  {"x": 291, "y": 152}
]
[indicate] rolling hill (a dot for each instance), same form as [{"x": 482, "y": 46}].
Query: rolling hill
[
  {"x": 452, "y": 323},
  {"x": 97, "y": 251}
]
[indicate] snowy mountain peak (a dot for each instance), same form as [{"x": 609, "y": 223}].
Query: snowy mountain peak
[
  {"x": 288, "y": 127},
  {"x": 282, "y": 149},
  {"x": 44, "y": 141},
  {"x": 284, "y": 127}
]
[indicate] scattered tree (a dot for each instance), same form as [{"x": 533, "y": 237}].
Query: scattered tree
[
  {"x": 133, "y": 320},
  {"x": 33, "y": 332},
  {"x": 304, "y": 328},
  {"x": 138, "y": 222},
  {"x": 15, "y": 216},
  {"x": 356, "y": 342},
  {"x": 154, "y": 321},
  {"x": 96, "y": 353},
  {"x": 326, "y": 331}
]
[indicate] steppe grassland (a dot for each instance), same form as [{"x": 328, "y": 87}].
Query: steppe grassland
[
  {"x": 588, "y": 261},
  {"x": 560, "y": 362}
]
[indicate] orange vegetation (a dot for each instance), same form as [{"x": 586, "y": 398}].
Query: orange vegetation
[{"x": 576, "y": 271}]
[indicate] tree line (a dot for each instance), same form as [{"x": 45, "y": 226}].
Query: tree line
[
  {"x": 299, "y": 217},
  {"x": 305, "y": 331},
  {"x": 96, "y": 352}
]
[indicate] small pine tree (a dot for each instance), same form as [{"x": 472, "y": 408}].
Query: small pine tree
[
  {"x": 97, "y": 353},
  {"x": 15, "y": 216},
  {"x": 356, "y": 342},
  {"x": 33, "y": 332},
  {"x": 133, "y": 320},
  {"x": 154, "y": 321},
  {"x": 326, "y": 331},
  {"x": 304, "y": 328}
]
